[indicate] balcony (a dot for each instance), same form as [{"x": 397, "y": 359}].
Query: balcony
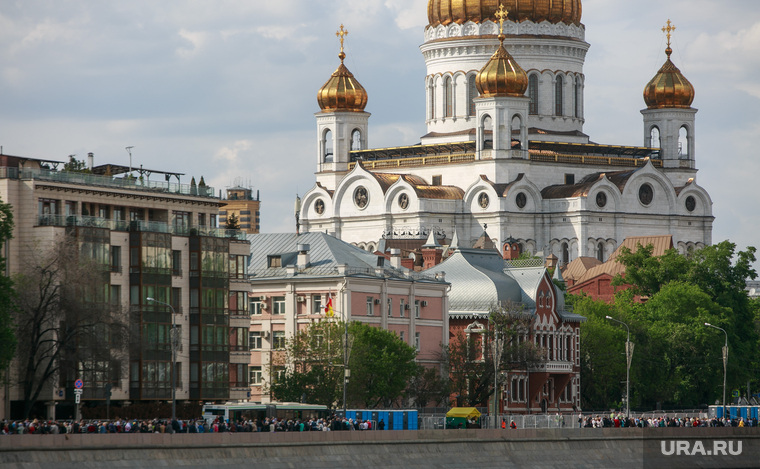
[
  {"x": 554, "y": 367},
  {"x": 87, "y": 179},
  {"x": 138, "y": 225}
]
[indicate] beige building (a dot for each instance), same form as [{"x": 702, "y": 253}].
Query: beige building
[
  {"x": 241, "y": 203},
  {"x": 155, "y": 239}
]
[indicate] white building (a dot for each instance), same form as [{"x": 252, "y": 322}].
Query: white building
[{"x": 506, "y": 147}]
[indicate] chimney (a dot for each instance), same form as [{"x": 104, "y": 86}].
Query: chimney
[
  {"x": 396, "y": 258},
  {"x": 91, "y": 160},
  {"x": 303, "y": 259}
]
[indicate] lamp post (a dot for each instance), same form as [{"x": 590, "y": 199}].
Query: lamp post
[
  {"x": 725, "y": 364},
  {"x": 174, "y": 357},
  {"x": 628, "y": 356}
]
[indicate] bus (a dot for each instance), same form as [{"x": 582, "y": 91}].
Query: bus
[{"x": 251, "y": 411}]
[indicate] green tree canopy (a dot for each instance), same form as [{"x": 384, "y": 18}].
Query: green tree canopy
[{"x": 7, "y": 336}]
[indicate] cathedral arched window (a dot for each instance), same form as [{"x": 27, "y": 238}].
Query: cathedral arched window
[
  {"x": 516, "y": 132},
  {"x": 683, "y": 142},
  {"x": 600, "y": 252},
  {"x": 431, "y": 98},
  {"x": 577, "y": 97},
  {"x": 327, "y": 144},
  {"x": 565, "y": 254},
  {"x": 533, "y": 93},
  {"x": 487, "y": 133},
  {"x": 654, "y": 137},
  {"x": 356, "y": 140},
  {"x": 559, "y": 96},
  {"x": 448, "y": 97},
  {"x": 472, "y": 93}
]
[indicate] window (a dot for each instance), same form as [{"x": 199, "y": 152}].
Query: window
[
  {"x": 569, "y": 179},
  {"x": 356, "y": 140},
  {"x": 654, "y": 138},
  {"x": 417, "y": 341},
  {"x": 533, "y": 94},
  {"x": 254, "y": 340},
  {"x": 559, "y": 96},
  {"x": 181, "y": 220},
  {"x": 201, "y": 219},
  {"x": 401, "y": 336},
  {"x": 577, "y": 96},
  {"x": 448, "y": 97},
  {"x": 431, "y": 99},
  {"x": 327, "y": 144},
  {"x": 600, "y": 252},
  {"x": 472, "y": 92},
  {"x": 437, "y": 180},
  {"x": 401, "y": 307},
  {"x": 212, "y": 221},
  {"x": 417, "y": 309},
  {"x": 177, "y": 299},
  {"x": 278, "y": 305},
  {"x": 256, "y": 305},
  {"x": 316, "y": 302},
  {"x": 278, "y": 340},
  {"x": 370, "y": 306},
  {"x": 274, "y": 261},
  {"x": 255, "y": 375},
  {"x": 565, "y": 254},
  {"x": 176, "y": 262},
  {"x": 115, "y": 258},
  {"x": 390, "y": 307},
  {"x": 683, "y": 142},
  {"x": 115, "y": 295}
]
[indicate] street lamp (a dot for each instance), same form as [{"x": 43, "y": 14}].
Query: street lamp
[
  {"x": 628, "y": 356},
  {"x": 174, "y": 357},
  {"x": 725, "y": 364}
]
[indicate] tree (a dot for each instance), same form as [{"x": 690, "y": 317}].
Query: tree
[
  {"x": 427, "y": 387},
  {"x": 7, "y": 337},
  {"x": 310, "y": 368},
  {"x": 75, "y": 166},
  {"x": 470, "y": 357},
  {"x": 233, "y": 223},
  {"x": 62, "y": 312}
]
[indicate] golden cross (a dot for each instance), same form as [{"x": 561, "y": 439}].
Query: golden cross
[
  {"x": 668, "y": 29},
  {"x": 501, "y": 15},
  {"x": 342, "y": 33}
]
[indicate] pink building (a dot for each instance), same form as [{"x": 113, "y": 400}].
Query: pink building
[{"x": 292, "y": 276}]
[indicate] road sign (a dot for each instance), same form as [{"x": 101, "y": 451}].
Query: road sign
[
  {"x": 79, "y": 384},
  {"x": 77, "y": 395}
]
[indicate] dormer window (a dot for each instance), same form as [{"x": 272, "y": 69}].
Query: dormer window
[{"x": 274, "y": 261}]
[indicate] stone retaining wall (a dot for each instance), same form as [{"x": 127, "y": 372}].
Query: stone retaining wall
[{"x": 548, "y": 448}]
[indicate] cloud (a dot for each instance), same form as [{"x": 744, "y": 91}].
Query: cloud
[{"x": 197, "y": 40}]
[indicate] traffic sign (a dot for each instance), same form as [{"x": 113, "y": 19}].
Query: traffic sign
[{"x": 79, "y": 384}]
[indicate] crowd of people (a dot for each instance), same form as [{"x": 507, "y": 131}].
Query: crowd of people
[
  {"x": 621, "y": 421},
  {"x": 53, "y": 427}
]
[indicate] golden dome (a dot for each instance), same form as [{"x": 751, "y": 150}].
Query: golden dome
[
  {"x": 669, "y": 88},
  {"x": 342, "y": 92},
  {"x": 460, "y": 11},
  {"x": 502, "y": 76}
]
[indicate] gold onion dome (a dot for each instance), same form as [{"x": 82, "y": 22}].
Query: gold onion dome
[
  {"x": 342, "y": 92},
  {"x": 669, "y": 88},
  {"x": 461, "y": 11},
  {"x": 502, "y": 76}
]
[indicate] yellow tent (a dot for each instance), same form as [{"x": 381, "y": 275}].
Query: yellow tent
[{"x": 463, "y": 412}]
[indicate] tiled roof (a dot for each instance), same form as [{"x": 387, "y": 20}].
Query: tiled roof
[
  {"x": 612, "y": 267},
  {"x": 578, "y": 267}
]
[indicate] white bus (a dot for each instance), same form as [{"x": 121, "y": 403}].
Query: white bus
[{"x": 251, "y": 411}]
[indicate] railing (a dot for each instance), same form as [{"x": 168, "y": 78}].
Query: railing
[
  {"x": 138, "y": 225},
  {"x": 384, "y": 273},
  {"x": 114, "y": 182},
  {"x": 593, "y": 160},
  {"x": 416, "y": 161}
]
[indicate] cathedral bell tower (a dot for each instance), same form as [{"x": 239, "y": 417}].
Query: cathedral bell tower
[
  {"x": 502, "y": 107},
  {"x": 669, "y": 118},
  {"x": 342, "y": 124}
]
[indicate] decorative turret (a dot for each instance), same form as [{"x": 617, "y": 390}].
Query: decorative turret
[
  {"x": 342, "y": 124},
  {"x": 669, "y": 118}
]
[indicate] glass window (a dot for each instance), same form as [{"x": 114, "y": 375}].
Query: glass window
[
  {"x": 254, "y": 340},
  {"x": 448, "y": 90},
  {"x": 533, "y": 94},
  {"x": 417, "y": 341},
  {"x": 316, "y": 302},
  {"x": 256, "y": 305},
  {"x": 176, "y": 262},
  {"x": 278, "y": 340},
  {"x": 559, "y": 96},
  {"x": 390, "y": 307},
  {"x": 417, "y": 309},
  {"x": 401, "y": 307},
  {"x": 278, "y": 305},
  {"x": 255, "y": 375},
  {"x": 115, "y": 258},
  {"x": 370, "y": 306},
  {"x": 473, "y": 93}
]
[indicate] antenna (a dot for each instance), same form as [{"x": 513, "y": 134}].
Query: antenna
[{"x": 129, "y": 150}]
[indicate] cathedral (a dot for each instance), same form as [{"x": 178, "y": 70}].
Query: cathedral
[{"x": 505, "y": 150}]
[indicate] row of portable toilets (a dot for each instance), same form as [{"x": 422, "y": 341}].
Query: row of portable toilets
[
  {"x": 735, "y": 411},
  {"x": 394, "y": 419}
]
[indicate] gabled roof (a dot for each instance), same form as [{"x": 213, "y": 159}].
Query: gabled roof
[
  {"x": 582, "y": 188},
  {"x": 578, "y": 267},
  {"x": 612, "y": 267}
]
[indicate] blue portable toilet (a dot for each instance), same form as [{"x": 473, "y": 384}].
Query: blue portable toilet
[
  {"x": 383, "y": 415},
  {"x": 753, "y": 412},
  {"x": 411, "y": 420}
]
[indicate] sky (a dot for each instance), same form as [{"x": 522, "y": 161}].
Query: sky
[{"x": 226, "y": 89}]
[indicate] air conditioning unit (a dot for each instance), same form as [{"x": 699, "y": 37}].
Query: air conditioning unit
[
  {"x": 263, "y": 298},
  {"x": 265, "y": 334},
  {"x": 406, "y": 306},
  {"x": 377, "y": 301},
  {"x": 301, "y": 299},
  {"x": 424, "y": 303}
]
